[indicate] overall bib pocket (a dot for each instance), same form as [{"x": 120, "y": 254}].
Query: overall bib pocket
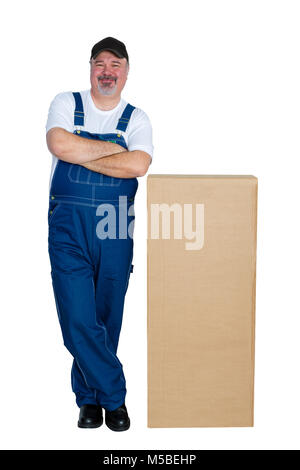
[{"x": 81, "y": 175}]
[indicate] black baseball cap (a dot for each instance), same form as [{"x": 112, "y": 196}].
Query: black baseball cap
[{"x": 110, "y": 44}]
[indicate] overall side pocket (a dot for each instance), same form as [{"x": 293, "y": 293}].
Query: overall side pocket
[{"x": 53, "y": 208}]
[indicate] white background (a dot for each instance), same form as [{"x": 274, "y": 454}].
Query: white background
[{"x": 220, "y": 83}]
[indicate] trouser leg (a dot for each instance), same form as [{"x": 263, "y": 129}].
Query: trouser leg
[
  {"x": 84, "y": 333},
  {"x": 111, "y": 285},
  {"x": 84, "y": 394},
  {"x": 111, "y": 282},
  {"x": 113, "y": 270}
]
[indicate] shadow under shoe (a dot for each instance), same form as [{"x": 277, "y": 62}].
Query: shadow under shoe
[
  {"x": 90, "y": 416},
  {"x": 117, "y": 420}
]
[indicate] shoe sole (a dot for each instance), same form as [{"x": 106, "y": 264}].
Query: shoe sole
[
  {"x": 112, "y": 428},
  {"x": 89, "y": 426}
]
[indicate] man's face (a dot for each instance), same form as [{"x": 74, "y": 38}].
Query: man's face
[{"x": 108, "y": 73}]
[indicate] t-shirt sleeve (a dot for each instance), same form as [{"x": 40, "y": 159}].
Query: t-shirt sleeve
[
  {"x": 140, "y": 133},
  {"x": 61, "y": 112}
]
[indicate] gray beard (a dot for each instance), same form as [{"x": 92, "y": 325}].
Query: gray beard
[{"x": 106, "y": 90}]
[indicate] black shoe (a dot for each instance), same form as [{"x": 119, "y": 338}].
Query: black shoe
[
  {"x": 117, "y": 420},
  {"x": 90, "y": 416}
]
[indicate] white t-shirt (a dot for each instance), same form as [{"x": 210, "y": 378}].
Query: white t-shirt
[{"x": 138, "y": 135}]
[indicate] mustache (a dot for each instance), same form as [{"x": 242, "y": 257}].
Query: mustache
[{"x": 105, "y": 77}]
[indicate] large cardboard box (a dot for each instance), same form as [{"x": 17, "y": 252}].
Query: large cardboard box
[{"x": 201, "y": 299}]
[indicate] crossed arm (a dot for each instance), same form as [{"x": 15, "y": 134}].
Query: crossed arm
[{"x": 100, "y": 156}]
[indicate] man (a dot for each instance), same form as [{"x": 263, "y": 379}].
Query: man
[{"x": 100, "y": 145}]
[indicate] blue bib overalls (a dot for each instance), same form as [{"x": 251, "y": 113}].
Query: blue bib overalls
[{"x": 90, "y": 272}]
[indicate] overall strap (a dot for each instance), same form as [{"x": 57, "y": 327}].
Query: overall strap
[
  {"x": 78, "y": 113},
  {"x": 124, "y": 119}
]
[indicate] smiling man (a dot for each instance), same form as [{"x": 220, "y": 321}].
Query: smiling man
[{"x": 100, "y": 145}]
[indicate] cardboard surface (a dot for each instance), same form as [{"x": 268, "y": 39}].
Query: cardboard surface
[{"x": 201, "y": 302}]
